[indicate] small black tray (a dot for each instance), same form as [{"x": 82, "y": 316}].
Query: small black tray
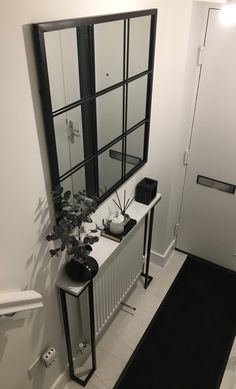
[{"x": 106, "y": 233}]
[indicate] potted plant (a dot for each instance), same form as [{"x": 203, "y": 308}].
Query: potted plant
[{"x": 72, "y": 212}]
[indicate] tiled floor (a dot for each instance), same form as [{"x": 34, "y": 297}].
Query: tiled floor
[{"x": 120, "y": 340}]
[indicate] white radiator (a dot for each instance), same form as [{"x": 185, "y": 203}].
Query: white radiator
[{"x": 116, "y": 277}]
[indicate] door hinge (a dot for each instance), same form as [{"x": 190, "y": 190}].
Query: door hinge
[
  {"x": 200, "y": 55},
  {"x": 176, "y": 229},
  {"x": 186, "y": 157}
]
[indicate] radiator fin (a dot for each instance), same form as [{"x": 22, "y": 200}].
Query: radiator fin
[{"x": 117, "y": 276}]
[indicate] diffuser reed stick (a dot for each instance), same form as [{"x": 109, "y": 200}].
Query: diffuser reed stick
[{"x": 126, "y": 204}]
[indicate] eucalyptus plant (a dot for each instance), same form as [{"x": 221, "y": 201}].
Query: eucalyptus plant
[{"x": 72, "y": 212}]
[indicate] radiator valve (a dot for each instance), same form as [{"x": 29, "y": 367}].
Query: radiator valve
[{"x": 82, "y": 346}]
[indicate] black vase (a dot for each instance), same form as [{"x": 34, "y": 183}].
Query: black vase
[{"x": 83, "y": 269}]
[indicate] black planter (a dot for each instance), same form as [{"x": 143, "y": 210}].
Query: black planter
[{"x": 83, "y": 269}]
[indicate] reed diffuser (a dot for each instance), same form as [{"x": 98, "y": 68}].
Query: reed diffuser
[{"x": 123, "y": 207}]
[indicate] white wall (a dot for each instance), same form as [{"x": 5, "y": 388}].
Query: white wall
[
  {"x": 167, "y": 102},
  {"x": 25, "y": 183}
]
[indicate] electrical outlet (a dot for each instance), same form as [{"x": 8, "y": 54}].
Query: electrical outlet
[
  {"x": 49, "y": 357},
  {"x": 46, "y": 360}
]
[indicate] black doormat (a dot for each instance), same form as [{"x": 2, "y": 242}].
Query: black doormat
[{"x": 188, "y": 342}]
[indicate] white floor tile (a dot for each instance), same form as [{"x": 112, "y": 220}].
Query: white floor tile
[
  {"x": 109, "y": 369},
  {"x": 228, "y": 380},
  {"x": 130, "y": 328},
  {"x": 116, "y": 345},
  {"x": 144, "y": 301},
  {"x": 94, "y": 383}
]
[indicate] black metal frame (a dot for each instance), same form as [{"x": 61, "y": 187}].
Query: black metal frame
[
  {"x": 63, "y": 293},
  {"x": 39, "y": 30},
  {"x": 147, "y": 245}
]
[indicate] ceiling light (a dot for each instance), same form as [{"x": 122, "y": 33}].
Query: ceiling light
[{"x": 228, "y": 14}]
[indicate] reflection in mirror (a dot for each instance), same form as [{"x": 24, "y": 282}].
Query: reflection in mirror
[
  {"x": 76, "y": 182},
  {"x": 62, "y": 63},
  {"x": 69, "y": 139},
  {"x": 134, "y": 148},
  {"x": 137, "y": 93},
  {"x": 139, "y": 41},
  {"x": 62, "y": 143},
  {"x": 108, "y": 39},
  {"x": 110, "y": 169},
  {"x": 67, "y": 184},
  {"x": 80, "y": 333},
  {"x": 109, "y": 116}
]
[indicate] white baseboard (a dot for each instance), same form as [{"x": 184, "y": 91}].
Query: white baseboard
[{"x": 161, "y": 259}]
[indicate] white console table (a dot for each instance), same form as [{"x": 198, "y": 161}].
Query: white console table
[{"x": 102, "y": 252}]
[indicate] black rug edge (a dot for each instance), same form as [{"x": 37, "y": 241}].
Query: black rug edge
[
  {"x": 212, "y": 264},
  {"x": 159, "y": 309}
]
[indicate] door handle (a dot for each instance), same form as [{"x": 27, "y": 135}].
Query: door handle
[{"x": 72, "y": 131}]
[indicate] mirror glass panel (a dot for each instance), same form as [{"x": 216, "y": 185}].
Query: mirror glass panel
[
  {"x": 109, "y": 116},
  {"x": 67, "y": 184},
  {"x": 109, "y": 48},
  {"x": 62, "y": 63},
  {"x": 78, "y": 181},
  {"x": 69, "y": 139},
  {"x": 75, "y": 182},
  {"x": 134, "y": 148},
  {"x": 80, "y": 62},
  {"x": 137, "y": 96},
  {"x": 80, "y": 331},
  {"x": 139, "y": 41},
  {"x": 110, "y": 168},
  {"x": 62, "y": 143}
]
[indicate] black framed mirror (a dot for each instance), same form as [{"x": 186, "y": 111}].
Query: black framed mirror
[{"x": 95, "y": 78}]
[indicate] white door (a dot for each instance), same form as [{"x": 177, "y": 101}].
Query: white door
[{"x": 208, "y": 215}]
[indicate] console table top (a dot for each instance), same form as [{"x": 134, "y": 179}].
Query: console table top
[{"x": 104, "y": 248}]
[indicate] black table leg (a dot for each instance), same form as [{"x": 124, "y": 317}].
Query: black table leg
[
  {"x": 148, "y": 242},
  {"x": 92, "y": 326},
  {"x": 67, "y": 331},
  {"x": 68, "y": 337}
]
